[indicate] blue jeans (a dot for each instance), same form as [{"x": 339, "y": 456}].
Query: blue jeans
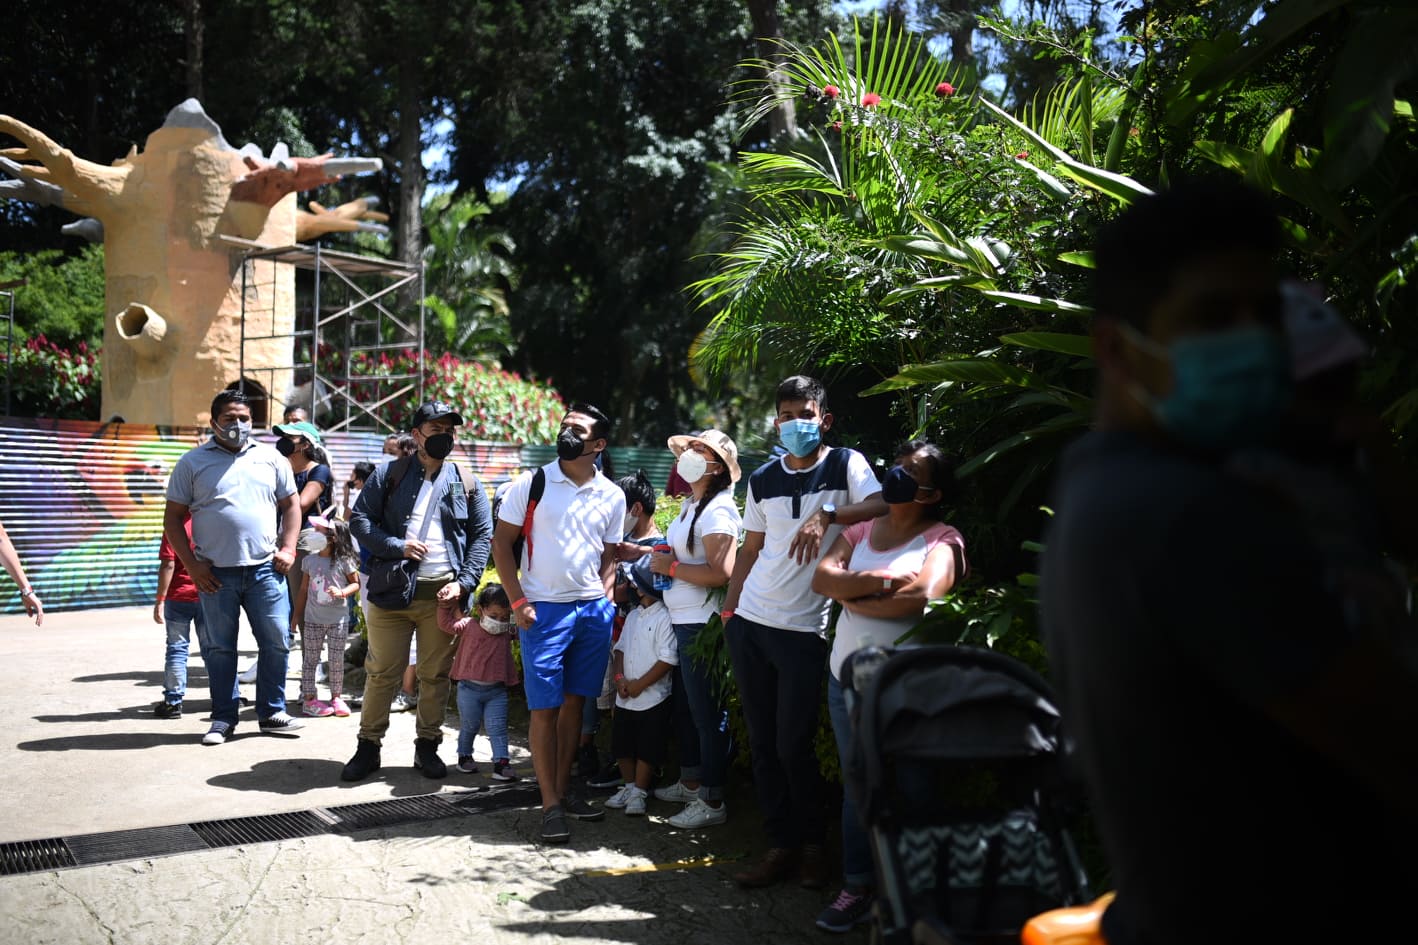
[
  {"x": 180, "y": 615},
  {"x": 711, "y": 719},
  {"x": 261, "y": 591},
  {"x": 857, "y": 866},
  {"x": 482, "y": 704}
]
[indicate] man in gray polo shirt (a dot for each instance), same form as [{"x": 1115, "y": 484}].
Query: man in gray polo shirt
[{"x": 237, "y": 490}]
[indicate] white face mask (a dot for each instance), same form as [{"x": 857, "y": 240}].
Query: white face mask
[
  {"x": 691, "y": 466},
  {"x": 631, "y": 520},
  {"x": 496, "y": 627}
]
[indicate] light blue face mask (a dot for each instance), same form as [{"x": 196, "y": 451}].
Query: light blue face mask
[
  {"x": 800, "y": 437},
  {"x": 1229, "y": 389}
]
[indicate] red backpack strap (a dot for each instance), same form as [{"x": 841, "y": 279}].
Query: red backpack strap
[{"x": 539, "y": 485}]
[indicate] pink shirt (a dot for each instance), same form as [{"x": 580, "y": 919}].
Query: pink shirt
[{"x": 482, "y": 657}]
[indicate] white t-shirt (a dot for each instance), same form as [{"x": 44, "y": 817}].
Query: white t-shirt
[
  {"x": 778, "y": 591},
  {"x": 690, "y": 603},
  {"x": 436, "y": 561},
  {"x": 646, "y": 638},
  {"x": 855, "y": 631},
  {"x": 570, "y": 530}
]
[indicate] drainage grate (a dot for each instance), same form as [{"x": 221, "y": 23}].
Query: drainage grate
[
  {"x": 404, "y": 810},
  {"x": 33, "y": 856},
  {"x": 92, "y": 848},
  {"x": 263, "y": 829}
]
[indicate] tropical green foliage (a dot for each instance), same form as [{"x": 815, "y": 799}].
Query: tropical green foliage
[
  {"x": 48, "y": 380},
  {"x": 468, "y": 271},
  {"x": 62, "y": 297}
]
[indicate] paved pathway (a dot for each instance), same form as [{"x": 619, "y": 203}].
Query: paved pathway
[{"x": 82, "y": 754}]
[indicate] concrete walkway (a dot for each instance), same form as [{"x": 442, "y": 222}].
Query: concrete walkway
[{"x": 83, "y": 754}]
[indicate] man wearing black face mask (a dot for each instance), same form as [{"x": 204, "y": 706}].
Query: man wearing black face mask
[{"x": 387, "y": 521}]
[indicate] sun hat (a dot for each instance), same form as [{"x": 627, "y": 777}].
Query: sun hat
[
  {"x": 302, "y": 428},
  {"x": 320, "y": 521},
  {"x": 720, "y": 443}
]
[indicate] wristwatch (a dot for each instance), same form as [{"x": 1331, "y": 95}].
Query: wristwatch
[{"x": 831, "y": 511}]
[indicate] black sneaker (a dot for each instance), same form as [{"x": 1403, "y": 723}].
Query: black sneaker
[
  {"x": 502, "y": 770},
  {"x": 578, "y": 809},
  {"x": 168, "y": 710},
  {"x": 607, "y": 777},
  {"x": 281, "y": 724},
  {"x": 219, "y": 733},
  {"x": 554, "y": 826},
  {"x": 847, "y": 911}
]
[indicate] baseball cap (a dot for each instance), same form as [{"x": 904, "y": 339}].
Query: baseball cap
[
  {"x": 303, "y": 428},
  {"x": 320, "y": 521},
  {"x": 435, "y": 410},
  {"x": 720, "y": 443},
  {"x": 644, "y": 579}
]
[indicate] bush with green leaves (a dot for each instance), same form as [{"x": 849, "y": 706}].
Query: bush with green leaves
[{"x": 49, "y": 381}]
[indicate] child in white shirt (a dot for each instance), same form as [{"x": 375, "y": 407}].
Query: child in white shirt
[{"x": 643, "y": 658}]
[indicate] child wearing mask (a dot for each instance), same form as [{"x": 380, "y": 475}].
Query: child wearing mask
[
  {"x": 483, "y": 669},
  {"x": 328, "y": 578}
]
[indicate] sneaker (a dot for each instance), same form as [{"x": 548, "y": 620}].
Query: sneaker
[
  {"x": 168, "y": 710},
  {"x": 403, "y": 702},
  {"x": 340, "y": 707},
  {"x": 554, "y": 826},
  {"x": 317, "y": 709},
  {"x": 502, "y": 770},
  {"x": 248, "y": 675},
  {"x": 698, "y": 814},
  {"x": 847, "y": 911},
  {"x": 218, "y": 733},
  {"x": 676, "y": 793},
  {"x": 635, "y": 806},
  {"x": 619, "y": 799},
  {"x": 578, "y": 809},
  {"x": 280, "y": 724},
  {"x": 467, "y": 765},
  {"x": 607, "y": 777},
  {"x": 813, "y": 871}
]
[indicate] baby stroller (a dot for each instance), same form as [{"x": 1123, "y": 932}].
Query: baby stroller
[{"x": 957, "y": 768}]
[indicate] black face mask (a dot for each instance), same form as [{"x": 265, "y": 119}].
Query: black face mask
[
  {"x": 286, "y": 447},
  {"x": 569, "y": 446},
  {"x": 439, "y": 445},
  {"x": 898, "y": 486}
]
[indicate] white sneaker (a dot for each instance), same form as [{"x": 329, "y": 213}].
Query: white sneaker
[
  {"x": 676, "y": 793},
  {"x": 620, "y": 798},
  {"x": 635, "y": 806},
  {"x": 699, "y": 814},
  {"x": 248, "y": 675}
]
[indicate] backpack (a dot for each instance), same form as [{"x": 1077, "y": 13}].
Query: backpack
[{"x": 534, "y": 495}]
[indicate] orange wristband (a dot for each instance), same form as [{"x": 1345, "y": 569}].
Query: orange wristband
[
  {"x": 518, "y": 602},
  {"x": 674, "y": 566}
]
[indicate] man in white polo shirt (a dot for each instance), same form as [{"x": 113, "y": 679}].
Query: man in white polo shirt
[
  {"x": 237, "y": 491},
  {"x": 775, "y": 625},
  {"x": 561, "y": 599}
]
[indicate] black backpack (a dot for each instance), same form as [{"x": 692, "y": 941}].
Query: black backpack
[{"x": 539, "y": 485}]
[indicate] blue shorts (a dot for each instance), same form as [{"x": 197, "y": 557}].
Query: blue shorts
[{"x": 566, "y": 650}]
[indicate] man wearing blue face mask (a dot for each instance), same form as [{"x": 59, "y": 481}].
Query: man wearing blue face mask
[
  {"x": 1229, "y": 721},
  {"x": 775, "y": 624},
  {"x": 238, "y": 492}
]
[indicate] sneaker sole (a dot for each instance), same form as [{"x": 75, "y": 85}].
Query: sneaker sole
[
  {"x": 589, "y": 818},
  {"x": 844, "y": 927}
]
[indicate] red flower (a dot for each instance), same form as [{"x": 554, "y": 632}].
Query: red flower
[
  {"x": 871, "y": 99},
  {"x": 831, "y": 91},
  {"x": 836, "y": 126},
  {"x": 945, "y": 90},
  {"x": 1021, "y": 155}
]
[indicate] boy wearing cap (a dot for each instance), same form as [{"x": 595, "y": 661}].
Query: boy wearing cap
[
  {"x": 561, "y": 600},
  {"x": 641, "y": 664},
  {"x": 387, "y": 520}
]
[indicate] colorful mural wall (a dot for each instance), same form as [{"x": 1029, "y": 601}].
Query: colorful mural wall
[{"x": 83, "y": 502}]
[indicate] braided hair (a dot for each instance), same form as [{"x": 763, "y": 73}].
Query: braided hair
[{"x": 717, "y": 484}]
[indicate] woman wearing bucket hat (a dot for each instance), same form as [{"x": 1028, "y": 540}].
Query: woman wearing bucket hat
[{"x": 703, "y": 540}]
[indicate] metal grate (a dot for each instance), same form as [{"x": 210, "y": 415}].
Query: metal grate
[
  {"x": 33, "y": 856},
  {"x": 92, "y": 848},
  {"x": 402, "y": 810},
  {"x": 263, "y": 829}
]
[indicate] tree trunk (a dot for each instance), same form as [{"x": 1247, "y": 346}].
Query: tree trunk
[
  {"x": 194, "y": 30},
  {"x": 408, "y": 227},
  {"x": 783, "y": 120}
]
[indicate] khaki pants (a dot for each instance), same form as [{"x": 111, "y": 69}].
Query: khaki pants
[{"x": 390, "y": 633}]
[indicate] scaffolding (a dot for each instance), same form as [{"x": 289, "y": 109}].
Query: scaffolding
[
  {"x": 352, "y": 313},
  {"x": 7, "y": 312}
]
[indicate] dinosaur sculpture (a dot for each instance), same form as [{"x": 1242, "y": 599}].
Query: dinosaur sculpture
[{"x": 173, "y": 284}]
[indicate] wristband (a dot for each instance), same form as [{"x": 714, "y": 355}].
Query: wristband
[
  {"x": 725, "y": 615},
  {"x": 517, "y": 604},
  {"x": 27, "y": 592},
  {"x": 618, "y": 677},
  {"x": 161, "y": 599},
  {"x": 674, "y": 565}
]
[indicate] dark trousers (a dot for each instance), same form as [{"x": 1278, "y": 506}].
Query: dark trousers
[{"x": 780, "y": 674}]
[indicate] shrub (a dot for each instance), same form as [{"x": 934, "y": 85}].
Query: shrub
[{"x": 50, "y": 381}]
